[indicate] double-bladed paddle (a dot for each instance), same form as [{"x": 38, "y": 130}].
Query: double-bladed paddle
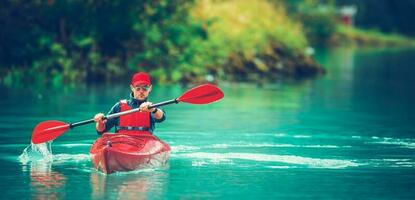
[{"x": 202, "y": 94}]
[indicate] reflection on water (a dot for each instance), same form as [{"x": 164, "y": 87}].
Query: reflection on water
[
  {"x": 142, "y": 184},
  {"x": 44, "y": 182}
]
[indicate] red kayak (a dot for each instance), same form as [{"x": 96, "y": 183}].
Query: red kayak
[{"x": 121, "y": 152}]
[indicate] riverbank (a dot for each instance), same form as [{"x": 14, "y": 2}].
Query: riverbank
[{"x": 350, "y": 36}]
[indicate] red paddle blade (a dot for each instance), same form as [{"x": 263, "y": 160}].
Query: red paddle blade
[
  {"x": 202, "y": 94},
  {"x": 48, "y": 130}
]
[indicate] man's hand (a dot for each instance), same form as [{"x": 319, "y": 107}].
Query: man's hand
[
  {"x": 100, "y": 122},
  {"x": 99, "y": 118},
  {"x": 144, "y": 107}
]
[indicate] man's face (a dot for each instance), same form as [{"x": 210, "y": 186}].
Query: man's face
[{"x": 141, "y": 92}]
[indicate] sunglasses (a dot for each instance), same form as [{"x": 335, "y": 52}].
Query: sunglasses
[{"x": 144, "y": 88}]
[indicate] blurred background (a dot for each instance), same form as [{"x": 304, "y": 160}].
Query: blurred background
[
  {"x": 68, "y": 42},
  {"x": 319, "y": 100}
]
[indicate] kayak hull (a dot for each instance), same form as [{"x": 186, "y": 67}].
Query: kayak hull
[{"x": 122, "y": 152}]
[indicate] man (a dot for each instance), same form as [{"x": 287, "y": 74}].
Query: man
[{"x": 142, "y": 122}]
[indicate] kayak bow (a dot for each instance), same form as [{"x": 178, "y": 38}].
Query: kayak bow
[{"x": 121, "y": 152}]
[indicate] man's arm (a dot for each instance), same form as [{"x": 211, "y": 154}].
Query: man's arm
[
  {"x": 103, "y": 126},
  {"x": 157, "y": 113}
]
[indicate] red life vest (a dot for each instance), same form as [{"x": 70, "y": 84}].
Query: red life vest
[{"x": 133, "y": 123}]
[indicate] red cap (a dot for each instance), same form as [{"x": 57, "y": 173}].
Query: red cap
[{"x": 140, "y": 78}]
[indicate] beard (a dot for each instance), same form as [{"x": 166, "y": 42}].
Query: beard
[{"x": 141, "y": 96}]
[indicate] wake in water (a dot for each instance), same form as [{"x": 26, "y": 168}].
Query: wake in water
[{"x": 217, "y": 158}]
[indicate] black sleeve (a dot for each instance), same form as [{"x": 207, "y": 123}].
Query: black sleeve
[{"x": 162, "y": 118}]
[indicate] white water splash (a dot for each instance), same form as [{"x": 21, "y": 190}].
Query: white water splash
[
  {"x": 37, "y": 152},
  {"x": 43, "y": 152}
]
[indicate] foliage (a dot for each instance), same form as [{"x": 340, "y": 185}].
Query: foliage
[
  {"x": 68, "y": 41},
  {"x": 318, "y": 18},
  {"x": 249, "y": 25},
  {"x": 78, "y": 40},
  {"x": 244, "y": 30}
]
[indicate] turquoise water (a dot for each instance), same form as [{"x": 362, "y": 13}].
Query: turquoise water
[{"x": 346, "y": 135}]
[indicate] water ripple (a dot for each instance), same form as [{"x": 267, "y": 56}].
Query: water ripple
[{"x": 218, "y": 158}]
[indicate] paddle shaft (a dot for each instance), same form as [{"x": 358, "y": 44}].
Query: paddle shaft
[{"x": 75, "y": 124}]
